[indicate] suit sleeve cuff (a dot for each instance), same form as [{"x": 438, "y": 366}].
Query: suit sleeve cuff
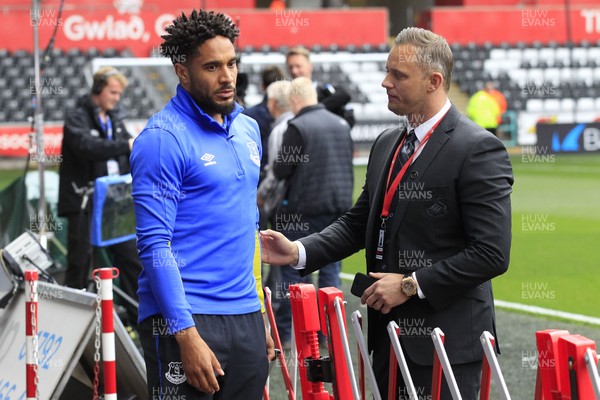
[
  {"x": 301, "y": 256},
  {"x": 419, "y": 291}
]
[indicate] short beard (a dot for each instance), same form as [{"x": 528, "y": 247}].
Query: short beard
[{"x": 210, "y": 107}]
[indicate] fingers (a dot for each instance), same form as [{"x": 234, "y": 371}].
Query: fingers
[
  {"x": 270, "y": 347},
  {"x": 203, "y": 380}
]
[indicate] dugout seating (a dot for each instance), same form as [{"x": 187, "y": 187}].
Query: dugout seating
[{"x": 63, "y": 81}]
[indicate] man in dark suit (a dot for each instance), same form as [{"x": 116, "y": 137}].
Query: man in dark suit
[{"x": 443, "y": 233}]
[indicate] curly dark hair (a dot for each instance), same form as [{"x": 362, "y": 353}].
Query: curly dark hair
[{"x": 189, "y": 32}]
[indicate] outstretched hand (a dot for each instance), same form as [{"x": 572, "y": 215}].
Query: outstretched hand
[{"x": 277, "y": 249}]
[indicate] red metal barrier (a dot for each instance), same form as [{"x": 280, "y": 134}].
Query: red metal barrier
[
  {"x": 305, "y": 314},
  {"x": 575, "y": 381}
]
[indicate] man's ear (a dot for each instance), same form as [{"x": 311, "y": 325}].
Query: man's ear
[
  {"x": 436, "y": 80},
  {"x": 182, "y": 73}
]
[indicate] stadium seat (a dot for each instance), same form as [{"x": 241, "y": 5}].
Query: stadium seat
[
  {"x": 535, "y": 105},
  {"x": 567, "y": 104},
  {"x": 586, "y": 116},
  {"x": 519, "y": 76},
  {"x": 585, "y": 104},
  {"x": 566, "y": 75},
  {"x": 535, "y": 76},
  {"x": 579, "y": 54},
  {"x": 547, "y": 55},
  {"x": 552, "y": 76},
  {"x": 531, "y": 56},
  {"x": 498, "y": 54},
  {"x": 596, "y": 75},
  {"x": 563, "y": 55},
  {"x": 552, "y": 105},
  {"x": 514, "y": 54}
]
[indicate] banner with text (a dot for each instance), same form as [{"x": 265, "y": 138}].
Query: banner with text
[
  {"x": 140, "y": 30},
  {"x": 569, "y": 138}
]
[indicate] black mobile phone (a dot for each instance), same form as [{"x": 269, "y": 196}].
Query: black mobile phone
[{"x": 361, "y": 283}]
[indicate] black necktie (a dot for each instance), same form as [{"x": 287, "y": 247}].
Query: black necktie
[
  {"x": 405, "y": 152},
  {"x": 409, "y": 146}
]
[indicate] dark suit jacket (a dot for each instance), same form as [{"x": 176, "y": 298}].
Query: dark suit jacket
[
  {"x": 85, "y": 151},
  {"x": 455, "y": 232}
]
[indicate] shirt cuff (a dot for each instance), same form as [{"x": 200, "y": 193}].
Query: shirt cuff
[
  {"x": 301, "y": 256},
  {"x": 419, "y": 291}
]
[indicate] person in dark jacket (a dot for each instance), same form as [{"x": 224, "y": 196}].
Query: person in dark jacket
[
  {"x": 316, "y": 158},
  {"x": 260, "y": 112},
  {"x": 95, "y": 143},
  {"x": 334, "y": 98}
]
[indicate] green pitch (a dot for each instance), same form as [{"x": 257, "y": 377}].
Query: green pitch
[{"x": 555, "y": 257}]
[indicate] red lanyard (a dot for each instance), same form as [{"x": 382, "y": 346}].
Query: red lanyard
[{"x": 389, "y": 194}]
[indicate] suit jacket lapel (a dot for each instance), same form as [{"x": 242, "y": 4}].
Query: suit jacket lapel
[{"x": 417, "y": 170}]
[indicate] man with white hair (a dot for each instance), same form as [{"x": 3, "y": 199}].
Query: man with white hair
[
  {"x": 316, "y": 159},
  {"x": 279, "y": 107}
]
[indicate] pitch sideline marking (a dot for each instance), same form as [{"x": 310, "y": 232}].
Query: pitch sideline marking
[{"x": 523, "y": 307}]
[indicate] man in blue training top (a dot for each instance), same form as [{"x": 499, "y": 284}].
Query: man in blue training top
[{"x": 195, "y": 171}]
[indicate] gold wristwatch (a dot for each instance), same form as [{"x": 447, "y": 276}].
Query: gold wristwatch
[{"x": 409, "y": 285}]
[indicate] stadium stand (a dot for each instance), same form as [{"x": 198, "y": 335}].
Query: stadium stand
[{"x": 64, "y": 79}]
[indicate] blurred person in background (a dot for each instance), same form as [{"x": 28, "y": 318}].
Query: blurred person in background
[
  {"x": 261, "y": 113},
  {"x": 484, "y": 109},
  {"x": 95, "y": 143},
  {"x": 315, "y": 158},
  {"x": 272, "y": 190},
  {"x": 335, "y": 99}
]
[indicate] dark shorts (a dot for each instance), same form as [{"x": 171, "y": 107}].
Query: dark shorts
[{"x": 238, "y": 342}]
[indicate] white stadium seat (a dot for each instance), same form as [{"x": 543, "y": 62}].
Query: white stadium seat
[
  {"x": 563, "y": 55},
  {"x": 580, "y": 55},
  {"x": 519, "y": 76},
  {"x": 552, "y": 75},
  {"x": 514, "y": 54},
  {"x": 552, "y": 105},
  {"x": 531, "y": 56},
  {"x": 586, "y": 116},
  {"x": 567, "y": 104},
  {"x": 535, "y": 75},
  {"x": 498, "y": 54},
  {"x": 597, "y": 74},
  {"x": 584, "y": 75},
  {"x": 566, "y": 75},
  {"x": 594, "y": 54},
  {"x": 535, "y": 105},
  {"x": 547, "y": 55},
  {"x": 585, "y": 104}
]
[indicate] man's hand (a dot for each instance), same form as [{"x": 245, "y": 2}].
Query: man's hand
[
  {"x": 385, "y": 293},
  {"x": 277, "y": 249},
  {"x": 199, "y": 362},
  {"x": 131, "y": 143},
  {"x": 270, "y": 342}
]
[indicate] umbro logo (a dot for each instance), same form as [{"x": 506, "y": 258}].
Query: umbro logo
[{"x": 209, "y": 159}]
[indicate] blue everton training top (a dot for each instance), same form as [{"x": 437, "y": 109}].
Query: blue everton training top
[{"x": 194, "y": 190}]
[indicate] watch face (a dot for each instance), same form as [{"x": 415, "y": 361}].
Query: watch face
[{"x": 408, "y": 287}]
